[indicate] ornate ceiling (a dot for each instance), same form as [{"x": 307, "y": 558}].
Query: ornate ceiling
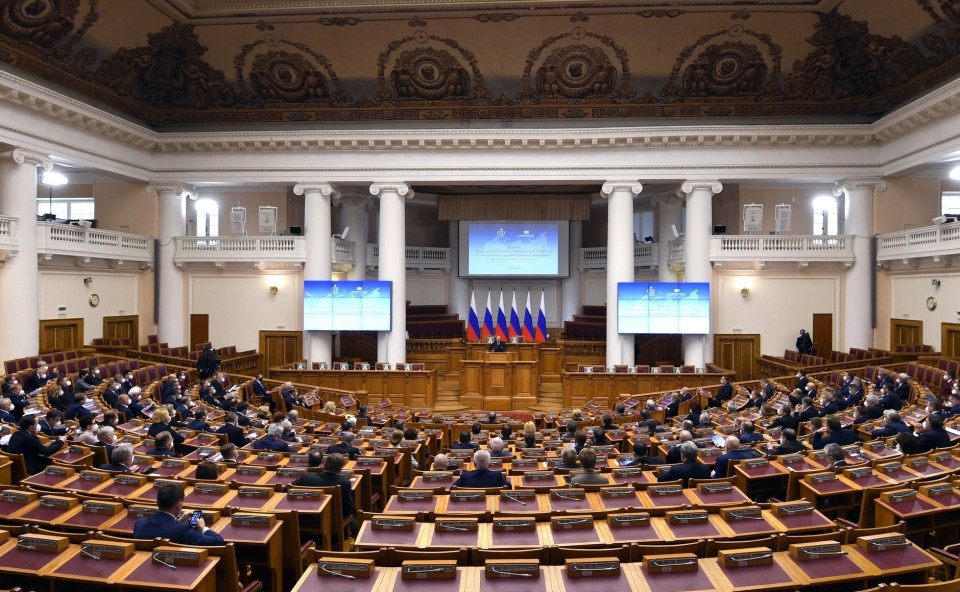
[{"x": 176, "y": 64}]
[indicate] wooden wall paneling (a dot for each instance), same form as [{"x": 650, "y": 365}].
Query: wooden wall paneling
[
  {"x": 199, "y": 329},
  {"x": 550, "y": 360},
  {"x": 122, "y": 327},
  {"x": 471, "y": 383},
  {"x": 738, "y": 352},
  {"x": 821, "y": 332},
  {"x": 905, "y": 332},
  {"x": 950, "y": 339},
  {"x": 60, "y": 334},
  {"x": 281, "y": 347}
]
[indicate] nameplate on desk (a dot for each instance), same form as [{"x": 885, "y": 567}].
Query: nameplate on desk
[
  {"x": 467, "y": 496},
  {"x": 511, "y": 568},
  {"x": 671, "y": 563},
  {"x": 936, "y": 489},
  {"x": 255, "y": 492},
  {"x": 250, "y": 470},
  {"x": 539, "y": 476},
  {"x": 790, "y": 459},
  {"x": 621, "y": 473},
  {"x": 137, "y": 512},
  {"x": 817, "y": 455},
  {"x": 747, "y": 513},
  {"x": 76, "y": 450},
  {"x": 613, "y": 492},
  {"x": 571, "y": 522},
  {"x": 524, "y": 462},
  {"x": 58, "y": 471},
  {"x": 597, "y": 566},
  {"x": 568, "y": 494},
  {"x": 456, "y": 525},
  {"x": 433, "y": 477},
  {"x": 393, "y": 522},
  {"x": 211, "y": 488},
  {"x": 42, "y": 543},
  {"x": 256, "y": 520},
  {"x": 747, "y": 557},
  {"x": 345, "y": 567},
  {"x": 130, "y": 480},
  {"x": 708, "y": 488},
  {"x": 437, "y": 569},
  {"x": 556, "y": 443},
  {"x": 172, "y": 463},
  {"x": 874, "y": 445},
  {"x": 628, "y": 520},
  {"x": 518, "y": 496},
  {"x": 890, "y": 468},
  {"x": 688, "y": 517},
  {"x": 103, "y": 508},
  {"x": 412, "y": 495},
  {"x": 58, "y": 502},
  {"x": 665, "y": 490},
  {"x": 93, "y": 476},
  {"x": 514, "y": 524},
  {"x": 882, "y": 542},
  {"x": 290, "y": 472},
  {"x": 711, "y": 451},
  {"x": 298, "y": 458},
  {"x": 821, "y": 477},
  {"x": 305, "y": 494},
  {"x": 268, "y": 457},
  {"x": 385, "y": 452},
  {"x": 793, "y": 508},
  {"x": 366, "y": 461},
  {"x": 919, "y": 464},
  {"x": 107, "y": 550},
  {"x": 941, "y": 457},
  {"x": 161, "y": 482},
  {"x": 205, "y": 451},
  {"x": 179, "y": 556},
  {"x": 756, "y": 463},
  {"x": 207, "y": 437},
  {"x": 899, "y": 496},
  {"x": 858, "y": 473},
  {"x": 810, "y": 551}
]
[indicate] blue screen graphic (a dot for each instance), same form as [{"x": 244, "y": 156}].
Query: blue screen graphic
[
  {"x": 346, "y": 306},
  {"x": 663, "y": 307},
  {"x": 521, "y": 248}
]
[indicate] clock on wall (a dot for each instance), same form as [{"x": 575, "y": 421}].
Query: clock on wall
[
  {"x": 931, "y": 303},
  {"x": 94, "y": 299}
]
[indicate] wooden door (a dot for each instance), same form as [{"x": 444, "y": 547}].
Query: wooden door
[
  {"x": 950, "y": 339},
  {"x": 822, "y": 334},
  {"x": 905, "y": 332},
  {"x": 199, "y": 330},
  {"x": 60, "y": 335},
  {"x": 122, "y": 327},
  {"x": 281, "y": 347},
  {"x": 737, "y": 352}
]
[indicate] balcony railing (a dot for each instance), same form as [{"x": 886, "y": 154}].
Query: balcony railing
[
  {"x": 240, "y": 249},
  {"x": 418, "y": 258},
  {"x": 800, "y": 249},
  {"x": 930, "y": 241},
  {"x": 9, "y": 245},
  {"x": 91, "y": 243},
  {"x": 342, "y": 254},
  {"x": 595, "y": 258}
]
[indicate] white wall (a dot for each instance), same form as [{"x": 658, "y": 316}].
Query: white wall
[
  {"x": 118, "y": 292},
  {"x": 777, "y": 307},
  {"x": 240, "y": 305},
  {"x": 428, "y": 289},
  {"x": 908, "y": 300}
]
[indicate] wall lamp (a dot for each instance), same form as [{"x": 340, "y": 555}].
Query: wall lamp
[
  {"x": 274, "y": 290},
  {"x": 744, "y": 291}
]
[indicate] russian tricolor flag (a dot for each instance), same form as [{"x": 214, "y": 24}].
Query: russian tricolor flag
[
  {"x": 515, "y": 330},
  {"x": 473, "y": 324},
  {"x": 528, "y": 321},
  {"x": 501, "y": 328},
  {"x": 487, "y": 329},
  {"x": 541, "y": 332}
]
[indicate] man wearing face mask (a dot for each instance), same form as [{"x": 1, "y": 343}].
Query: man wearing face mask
[
  {"x": 20, "y": 401},
  {"x": 127, "y": 383},
  {"x": 804, "y": 343},
  {"x": 112, "y": 394},
  {"x": 219, "y": 385},
  {"x": 948, "y": 384},
  {"x": 50, "y": 425},
  {"x": 94, "y": 377},
  {"x": 76, "y": 410},
  {"x": 8, "y": 381},
  {"x": 6, "y": 411},
  {"x": 27, "y": 443},
  {"x": 933, "y": 434},
  {"x": 258, "y": 388},
  {"x": 84, "y": 381},
  {"x": 38, "y": 377}
]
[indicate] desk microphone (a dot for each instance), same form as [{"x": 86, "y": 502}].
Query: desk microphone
[
  {"x": 83, "y": 551},
  {"x": 513, "y": 499},
  {"x": 323, "y": 566},
  {"x": 501, "y": 572},
  {"x": 452, "y": 527},
  {"x": 156, "y": 557},
  {"x": 566, "y": 497}
]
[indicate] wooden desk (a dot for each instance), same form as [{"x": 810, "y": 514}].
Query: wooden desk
[
  {"x": 371, "y": 539},
  {"x": 778, "y": 575},
  {"x": 831, "y": 496},
  {"x": 382, "y": 581},
  {"x": 26, "y": 568},
  {"x": 722, "y": 498},
  {"x": 256, "y": 545},
  {"x": 146, "y": 574},
  {"x": 74, "y": 566},
  {"x": 770, "y": 477},
  {"x": 711, "y": 528}
]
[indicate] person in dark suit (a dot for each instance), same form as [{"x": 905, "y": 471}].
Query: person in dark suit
[
  {"x": 641, "y": 456},
  {"x": 121, "y": 460},
  {"x": 228, "y": 454},
  {"x": 907, "y": 443},
  {"x": 482, "y": 476},
  {"x": 162, "y": 423},
  {"x": 748, "y": 433},
  {"x": 724, "y": 393},
  {"x": 330, "y": 477},
  {"x": 258, "y": 388},
  {"x": 785, "y": 420},
  {"x": 834, "y": 433},
  {"x": 884, "y": 378},
  {"x": 892, "y": 425},
  {"x": 345, "y": 446},
  {"x": 828, "y": 406},
  {"x": 207, "y": 363},
  {"x": 38, "y": 377},
  {"x": 807, "y": 410},
  {"x": 854, "y": 396},
  {"x": 788, "y": 443},
  {"x": 673, "y": 409},
  {"x": 76, "y": 410},
  {"x": 219, "y": 385},
  {"x": 804, "y": 343},
  {"x": 497, "y": 345},
  {"x": 106, "y": 437},
  {"x": 674, "y": 454},
  {"x": 802, "y": 380},
  {"x": 688, "y": 469},
  {"x": 465, "y": 443},
  {"x": 495, "y": 446},
  {"x": 273, "y": 440},
  {"x": 872, "y": 406},
  {"x": 901, "y": 387},
  {"x": 27, "y": 443},
  {"x": 50, "y": 424},
  {"x": 199, "y": 422},
  {"x": 311, "y": 478},
  {"x": 835, "y": 456},
  {"x": 163, "y": 445},
  {"x": 889, "y": 400},
  {"x": 6, "y": 411},
  {"x": 111, "y": 394},
  {"x": 731, "y": 451},
  {"x": 568, "y": 459},
  {"x": 235, "y": 434},
  {"x": 85, "y": 381},
  {"x": 167, "y": 522},
  {"x": 766, "y": 388},
  {"x": 127, "y": 383},
  {"x": 933, "y": 435}
]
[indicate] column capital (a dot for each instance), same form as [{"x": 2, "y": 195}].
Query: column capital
[
  {"x": 401, "y": 189},
  {"x": 689, "y": 187},
  {"x": 609, "y": 187},
  {"x": 354, "y": 199},
  {"x": 325, "y": 189},
  {"x": 177, "y": 189},
  {"x": 21, "y": 156},
  {"x": 854, "y": 183}
]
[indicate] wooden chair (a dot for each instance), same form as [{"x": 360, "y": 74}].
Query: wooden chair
[
  {"x": 948, "y": 586},
  {"x": 74, "y": 537},
  {"x": 771, "y": 542},
  {"x": 295, "y": 553},
  {"x": 138, "y": 544},
  {"x": 479, "y": 557},
  {"x": 398, "y": 556},
  {"x": 694, "y": 482},
  {"x": 560, "y": 553},
  {"x": 379, "y": 556},
  {"x": 228, "y": 573},
  {"x": 853, "y": 532},
  {"x": 639, "y": 551},
  {"x": 338, "y": 526},
  {"x": 868, "y": 514},
  {"x": 18, "y": 470}
]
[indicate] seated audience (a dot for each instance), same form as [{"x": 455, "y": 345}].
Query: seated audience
[
  {"x": 642, "y": 457},
  {"x": 690, "y": 468},
  {"x": 835, "y": 455},
  {"x": 207, "y": 470},
  {"x": 26, "y": 442},
  {"x": 933, "y": 435},
  {"x": 482, "y": 477},
  {"x": 788, "y": 443},
  {"x": 495, "y": 446},
  {"x": 170, "y": 522},
  {"x": 588, "y": 460},
  {"x": 345, "y": 446},
  {"x": 163, "y": 445},
  {"x": 272, "y": 440},
  {"x": 121, "y": 459}
]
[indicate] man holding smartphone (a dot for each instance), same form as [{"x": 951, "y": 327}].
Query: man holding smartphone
[{"x": 170, "y": 523}]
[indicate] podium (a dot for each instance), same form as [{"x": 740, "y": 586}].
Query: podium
[{"x": 499, "y": 381}]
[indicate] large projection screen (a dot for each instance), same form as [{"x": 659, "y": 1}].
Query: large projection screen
[
  {"x": 346, "y": 305},
  {"x": 504, "y": 249},
  {"x": 663, "y": 308}
]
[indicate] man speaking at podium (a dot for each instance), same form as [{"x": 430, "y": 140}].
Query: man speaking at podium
[{"x": 497, "y": 345}]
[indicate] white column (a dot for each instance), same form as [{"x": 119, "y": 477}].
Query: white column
[
  {"x": 570, "y": 287},
  {"x": 697, "y": 349},
  {"x": 316, "y": 232},
  {"x": 459, "y": 296},
  {"x": 172, "y": 314},
  {"x": 857, "y": 319},
  {"x": 354, "y": 215},
  {"x": 393, "y": 258},
  {"x": 669, "y": 213},
  {"x": 20, "y": 299},
  {"x": 620, "y": 241}
]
